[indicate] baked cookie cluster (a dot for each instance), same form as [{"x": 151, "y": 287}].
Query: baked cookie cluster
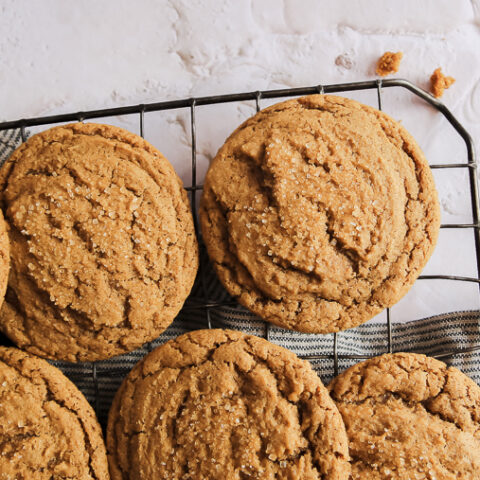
[
  {"x": 317, "y": 213},
  {"x": 102, "y": 255},
  {"x": 219, "y": 404}
]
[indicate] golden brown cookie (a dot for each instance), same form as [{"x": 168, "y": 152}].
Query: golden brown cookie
[
  {"x": 4, "y": 258},
  {"x": 319, "y": 212},
  {"x": 409, "y": 416},
  {"x": 48, "y": 430},
  {"x": 219, "y": 404},
  {"x": 103, "y": 246}
]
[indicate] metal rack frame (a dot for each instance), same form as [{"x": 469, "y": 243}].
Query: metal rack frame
[{"x": 191, "y": 103}]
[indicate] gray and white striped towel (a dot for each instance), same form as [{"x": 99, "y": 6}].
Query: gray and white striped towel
[{"x": 432, "y": 336}]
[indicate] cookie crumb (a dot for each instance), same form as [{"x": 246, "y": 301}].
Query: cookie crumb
[
  {"x": 439, "y": 82},
  {"x": 388, "y": 63}
]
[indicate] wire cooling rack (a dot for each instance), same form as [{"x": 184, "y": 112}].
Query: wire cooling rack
[{"x": 203, "y": 302}]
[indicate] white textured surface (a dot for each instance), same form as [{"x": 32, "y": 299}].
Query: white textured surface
[{"x": 58, "y": 56}]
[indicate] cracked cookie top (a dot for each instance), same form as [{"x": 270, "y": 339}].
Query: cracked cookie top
[
  {"x": 318, "y": 213},
  {"x": 102, "y": 243},
  {"x": 47, "y": 428},
  {"x": 409, "y": 416},
  {"x": 219, "y": 404}
]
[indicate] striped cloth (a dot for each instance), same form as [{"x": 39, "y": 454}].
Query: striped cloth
[
  {"x": 433, "y": 336},
  {"x": 9, "y": 140}
]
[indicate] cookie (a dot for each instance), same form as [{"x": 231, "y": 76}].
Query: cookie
[
  {"x": 220, "y": 404},
  {"x": 318, "y": 213},
  {"x": 103, "y": 246},
  {"x": 409, "y": 416},
  {"x": 48, "y": 430},
  {"x": 4, "y": 258}
]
